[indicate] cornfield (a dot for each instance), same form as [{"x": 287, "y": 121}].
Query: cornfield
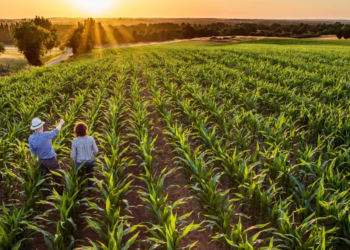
[{"x": 224, "y": 147}]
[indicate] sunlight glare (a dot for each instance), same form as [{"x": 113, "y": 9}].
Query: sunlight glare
[{"x": 94, "y": 6}]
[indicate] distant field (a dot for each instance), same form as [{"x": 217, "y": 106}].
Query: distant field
[
  {"x": 268, "y": 44},
  {"x": 17, "y": 61},
  {"x": 252, "y": 137},
  {"x": 316, "y": 42},
  {"x": 13, "y": 58}
]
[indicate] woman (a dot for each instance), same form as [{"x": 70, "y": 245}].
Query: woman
[{"x": 83, "y": 150}]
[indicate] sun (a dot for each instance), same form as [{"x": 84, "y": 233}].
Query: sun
[{"x": 94, "y": 6}]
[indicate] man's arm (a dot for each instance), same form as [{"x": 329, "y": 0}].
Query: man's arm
[
  {"x": 54, "y": 132},
  {"x": 59, "y": 127}
]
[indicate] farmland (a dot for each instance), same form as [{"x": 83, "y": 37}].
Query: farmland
[
  {"x": 17, "y": 61},
  {"x": 241, "y": 146}
]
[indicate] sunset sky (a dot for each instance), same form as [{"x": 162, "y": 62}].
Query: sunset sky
[{"x": 274, "y": 9}]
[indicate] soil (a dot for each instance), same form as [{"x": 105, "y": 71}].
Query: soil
[
  {"x": 82, "y": 235},
  {"x": 85, "y": 233},
  {"x": 246, "y": 223},
  {"x": 166, "y": 159}
]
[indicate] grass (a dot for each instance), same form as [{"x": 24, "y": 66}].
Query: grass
[
  {"x": 17, "y": 61},
  {"x": 16, "y": 64},
  {"x": 49, "y": 58},
  {"x": 300, "y": 42},
  {"x": 267, "y": 41},
  {"x": 288, "y": 45},
  {"x": 13, "y": 58}
]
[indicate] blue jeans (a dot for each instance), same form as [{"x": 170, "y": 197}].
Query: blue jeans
[{"x": 89, "y": 170}]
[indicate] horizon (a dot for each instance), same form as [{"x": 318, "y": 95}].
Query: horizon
[
  {"x": 221, "y": 9},
  {"x": 155, "y": 17}
]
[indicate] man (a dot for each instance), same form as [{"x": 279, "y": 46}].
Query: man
[{"x": 40, "y": 144}]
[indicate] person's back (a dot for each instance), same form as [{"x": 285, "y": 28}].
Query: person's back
[
  {"x": 41, "y": 145},
  {"x": 83, "y": 149}
]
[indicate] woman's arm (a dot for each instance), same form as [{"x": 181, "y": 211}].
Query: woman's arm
[
  {"x": 73, "y": 153},
  {"x": 94, "y": 148}
]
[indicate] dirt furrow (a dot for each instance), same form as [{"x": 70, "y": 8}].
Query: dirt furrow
[{"x": 166, "y": 158}]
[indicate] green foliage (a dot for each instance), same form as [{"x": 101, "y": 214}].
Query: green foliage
[
  {"x": 47, "y": 24},
  {"x": 13, "y": 228},
  {"x": 2, "y": 48},
  {"x": 346, "y": 33},
  {"x": 340, "y": 34},
  {"x": 65, "y": 209},
  {"x": 84, "y": 37},
  {"x": 115, "y": 237},
  {"x": 34, "y": 39},
  {"x": 261, "y": 140}
]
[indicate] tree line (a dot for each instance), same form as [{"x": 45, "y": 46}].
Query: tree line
[
  {"x": 169, "y": 31},
  {"x": 36, "y": 37},
  {"x": 151, "y": 32},
  {"x": 84, "y": 37},
  {"x": 6, "y": 33}
]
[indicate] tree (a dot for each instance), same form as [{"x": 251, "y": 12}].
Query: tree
[
  {"x": 2, "y": 48},
  {"x": 84, "y": 37},
  {"x": 339, "y": 34},
  {"x": 346, "y": 33},
  {"x": 188, "y": 31},
  {"x": 47, "y": 24},
  {"x": 5, "y": 33},
  {"x": 33, "y": 41},
  {"x": 75, "y": 37},
  {"x": 135, "y": 36}
]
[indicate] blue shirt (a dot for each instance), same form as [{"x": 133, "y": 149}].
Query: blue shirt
[{"x": 40, "y": 144}]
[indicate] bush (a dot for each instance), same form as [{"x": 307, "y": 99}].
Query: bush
[
  {"x": 346, "y": 33},
  {"x": 2, "y": 48},
  {"x": 339, "y": 34},
  {"x": 259, "y": 33},
  {"x": 286, "y": 34},
  {"x": 305, "y": 35}
]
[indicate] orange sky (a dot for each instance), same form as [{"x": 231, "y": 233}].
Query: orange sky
[{"x": 274, "y": 9}]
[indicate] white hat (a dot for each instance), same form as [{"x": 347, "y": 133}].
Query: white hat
[{"x": 36, "y": 123}]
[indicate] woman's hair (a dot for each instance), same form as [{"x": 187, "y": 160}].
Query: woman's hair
[{"x": 80, "y": 129}]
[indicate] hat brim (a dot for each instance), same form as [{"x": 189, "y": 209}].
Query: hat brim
[{"x": 38, "y": 126}]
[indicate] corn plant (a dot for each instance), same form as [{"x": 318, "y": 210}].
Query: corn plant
[
  {"x": 13, "y": 228},
  {"x": 115, "y": 237},
  {"x": 65, "y": 208},
  {"x": 237, "y": 238}
]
